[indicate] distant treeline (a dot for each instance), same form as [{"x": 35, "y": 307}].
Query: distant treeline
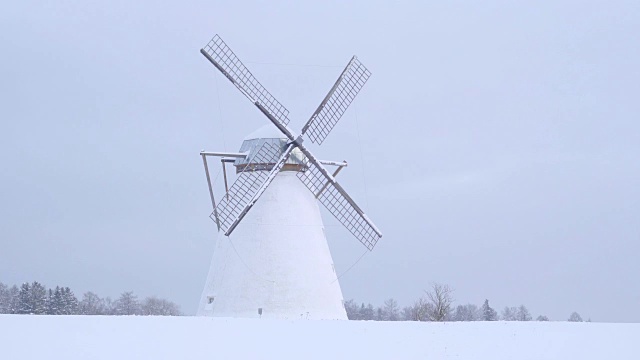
[
  {"x": 35, "y": 298},
  {"x": 437, "y": 305}
]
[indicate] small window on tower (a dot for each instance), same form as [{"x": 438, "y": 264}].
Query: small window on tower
[{"x": 210, "y": 299}]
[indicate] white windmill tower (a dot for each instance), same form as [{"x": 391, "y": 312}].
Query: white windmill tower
[{"x": 277, "y": 262}]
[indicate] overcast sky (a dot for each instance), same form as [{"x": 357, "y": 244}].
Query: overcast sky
[{"x": 496, "y": 144}]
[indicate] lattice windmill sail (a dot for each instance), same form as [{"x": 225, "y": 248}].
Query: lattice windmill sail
[
  {"x": 265, "y": 163},
  {"x": 331, "y": 109}
]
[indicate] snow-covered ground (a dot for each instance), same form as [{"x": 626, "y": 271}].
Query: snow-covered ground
[{"x": 112, "y": 337}]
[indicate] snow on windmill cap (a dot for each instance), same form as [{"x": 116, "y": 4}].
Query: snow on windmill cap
[{"x": 263, "y": 148}]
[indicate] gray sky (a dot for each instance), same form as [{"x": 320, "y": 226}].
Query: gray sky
[{"x": 496, "y": 144}]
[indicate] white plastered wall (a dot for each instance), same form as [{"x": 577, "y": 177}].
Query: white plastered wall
[{"x": 277, "y": 259}]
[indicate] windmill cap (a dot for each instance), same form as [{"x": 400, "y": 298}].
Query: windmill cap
[
  {"x": 263, "y": 147},
  {"x": 267, "y": 131}
]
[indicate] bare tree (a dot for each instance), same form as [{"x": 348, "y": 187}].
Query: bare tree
[
  {"x": 92, "y": 304},
  {"x": 351, "y": 308},
  {"x": 365, "y": 312},
  {"x": 155, "y": 306},
  {"x": 467, "y": 312},
  {"x": 109, "y": 306},
  {"x": 406, "y": 312},
  {"x": 419, "y": 311},
  {"x": 575, "y": 317},
  {"x": 379, "y": 314},
  {"x": 522, "y": 314},
  {"x": 542, "y": 318},
  {"x": 509, "y": 314},
  {"x": 441, "y": 299},
  {"x": 390, "y": 310}
]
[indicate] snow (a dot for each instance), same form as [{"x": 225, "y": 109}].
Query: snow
[{"x": 131, "y": 337}]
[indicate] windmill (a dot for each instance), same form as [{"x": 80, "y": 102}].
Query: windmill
[{"x": 274, "y": 259}]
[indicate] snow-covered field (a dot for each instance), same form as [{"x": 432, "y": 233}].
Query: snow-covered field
[{"x": 112, "y": 337}]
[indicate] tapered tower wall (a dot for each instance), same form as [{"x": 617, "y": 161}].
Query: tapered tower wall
[{"x": 277, "y": 260}]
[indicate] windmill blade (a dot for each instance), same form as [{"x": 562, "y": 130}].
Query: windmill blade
[
  {"x": 338, "y": 202},
  {"x": 249, "y": 186},
  {"x": 221, "y": 56},
  {"x": 341, "y": 95}
]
